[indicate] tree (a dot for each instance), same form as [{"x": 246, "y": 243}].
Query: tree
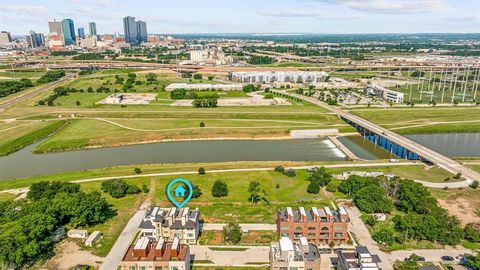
[
  {"x": 202, "y": 124},
  {"x": 321, "y": 176},
  {"x": 138, "y": 170},
  {"x": 119, "y": 188},
  {"x": 257, "y": 194},
  {"x": 473, "y": 262},
  {"x": 313, "y": 187},
  {"x": 151, "y": 77},
  {"x": 385, "y": 235},
  {"x": 201, "y": 171},
  {"x": 196, "y": 191},
  {"x": 210, "y": 78},
  {"x": 232, "y": 233},
  {"x": 78, "y": 103},
  {"x": 280, "y": 169},
  {"x": 290, "y": 173},
  {"x": 197, "y": 76},
  {"x": 475, "y": 184},
  {"x": 145, "y": 188},
  {"x": 219, "y": 189},
  {"x": 249, "y": 88},
  {"x": 372, "y": 199}
]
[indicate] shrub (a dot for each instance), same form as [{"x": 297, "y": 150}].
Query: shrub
[
  {"x": 313, "y": 187},
  {"x": 138, "y": 170},
  {"x": 201, "y": 171},
  {"x": 119, "y": 188},
  {"x": 280, "y": 169},
  {"x": 290, "y": 173},
  {"x": 475, "y": 184},
  {"x": 219, "y": 189}
]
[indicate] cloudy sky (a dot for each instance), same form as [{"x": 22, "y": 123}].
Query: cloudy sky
[{"x": 252, "y": 16}]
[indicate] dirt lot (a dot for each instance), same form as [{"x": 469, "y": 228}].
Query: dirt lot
[
  {"x": 465, "y": 204},
  {"x": 68, "y": 255}
]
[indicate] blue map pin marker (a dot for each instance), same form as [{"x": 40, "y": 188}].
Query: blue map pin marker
[{"x": 179, "y": 192}]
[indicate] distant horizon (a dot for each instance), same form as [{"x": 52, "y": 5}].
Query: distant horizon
[{"x": 249, "y": 16}]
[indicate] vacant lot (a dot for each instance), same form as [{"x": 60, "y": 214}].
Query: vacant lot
[{"x": 463, "y": 203}]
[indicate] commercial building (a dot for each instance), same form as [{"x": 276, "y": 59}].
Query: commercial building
[
  {"x": 200, "y": 54},
  {"x": 204, "y": 86},
  {"x": 92, "y": 29},
  {"x": 142, "y": 35},
  {"x": 135, "y": 32},
  {"x": 35, "y": 40},
  {"x": 287, "y": 255},
  {"x": 89, "y": 42},
  {"x": 5, "y": 37},
  {"x": 55, "y": 28},
  {"x": 81, "y": 32},
  {"x": 320, "y": 226},
  {"x": 271, "y": 77},
  {"x": 360, "y": 258},
  {"x": 68, "y": 31},
  {"x": 150, "y": 254},
  {"x": 383, "y": 93},
  {"x": 183, "y": 224}
]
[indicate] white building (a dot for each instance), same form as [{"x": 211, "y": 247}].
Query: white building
[
  {"x": 200, "y": 54},
  {"x": 204, "y": 86},
  {"x": 93, "y": 238},
  {"x": 182, "y": 223},
  {"x": 5, "y": 38},
  {"x": 89, "y": 42},
  {"x": 80, "y": 234},
  {"x": 384, "y": 93},
  {"x": 360, "y": 258},
  {"x": 276, "y": 76}
]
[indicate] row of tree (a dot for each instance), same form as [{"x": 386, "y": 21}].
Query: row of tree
[
  {"x": 13, "y": 86},
  {"x": 27, "y": 226}
]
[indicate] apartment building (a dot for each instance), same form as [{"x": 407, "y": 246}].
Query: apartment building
[
  {"x": 283, "y": 77},
  {"x": 320, "y": 226},
  {"x": 286, "y": 255},
  {"x": 384, "y": 93},
  {"x": 360, "y": 258},
  {"x": 183, "y": 224},
  {"x": 148, "y": 254}
]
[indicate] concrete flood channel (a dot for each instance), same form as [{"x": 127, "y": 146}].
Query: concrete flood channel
[{"x": 26, "y": 164}]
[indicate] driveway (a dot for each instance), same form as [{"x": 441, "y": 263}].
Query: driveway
[{"x": 120, "y": 247}]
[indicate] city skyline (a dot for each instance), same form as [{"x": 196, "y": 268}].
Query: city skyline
[{"x": 285, "y": 16}]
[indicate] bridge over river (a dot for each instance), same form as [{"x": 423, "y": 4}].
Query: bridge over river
[{"x": 391, "y": 141}]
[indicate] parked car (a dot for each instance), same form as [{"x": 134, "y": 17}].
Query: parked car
[{"x": 447, "y": 258}]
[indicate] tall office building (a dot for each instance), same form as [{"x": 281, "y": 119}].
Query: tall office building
[
  {"x": 55, "y": 27},
  {"x": 5, "y": 37},
  {"x": 142, "y": 35},
  {"x": 92, "y": 27},
  {"x": 68, "y": 31},
  {"x": 35, "y": 40},
  {"x": 130, "y": 29},
  {"x": 81, "y": 32}
]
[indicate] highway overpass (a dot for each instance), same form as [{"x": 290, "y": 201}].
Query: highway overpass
[{"x": 392, "y": 141}]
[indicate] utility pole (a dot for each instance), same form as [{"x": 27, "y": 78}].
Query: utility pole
[
  {"x": 444, "y": 83},
  {"x": 455, "y": 84},
  {"x": 465, "y": 84}
]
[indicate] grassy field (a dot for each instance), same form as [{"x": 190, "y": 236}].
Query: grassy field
[
  {"x": 424, "y": 120},
  {"x": 17, "y": 135},
  {"x": 249, "y": 239}
]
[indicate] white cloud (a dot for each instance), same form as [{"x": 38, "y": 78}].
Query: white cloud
[
  {"x": 32, "y": 10},
  {"x": 105, "y": 3},
  {"x": 309, "y": 14},
  {"x": 392, "y": 6}
]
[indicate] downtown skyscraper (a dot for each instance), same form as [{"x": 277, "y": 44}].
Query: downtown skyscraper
[
  {"x": 135, "y": 32},
  {"x": 92, "y": 28},
  {"x": 68, "y": 31}
]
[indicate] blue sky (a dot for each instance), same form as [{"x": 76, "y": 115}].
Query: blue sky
[{"x": 253, "y": 16}]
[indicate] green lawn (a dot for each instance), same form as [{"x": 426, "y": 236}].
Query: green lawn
[{"x": 22, "y": 134}]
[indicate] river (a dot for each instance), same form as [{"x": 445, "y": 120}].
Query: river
[{"x": 24, "y": 163}]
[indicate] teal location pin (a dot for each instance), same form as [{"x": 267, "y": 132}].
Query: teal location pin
[{"x": 179, "y": 192}]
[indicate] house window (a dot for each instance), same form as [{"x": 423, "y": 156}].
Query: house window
[
  {"x": 311, "y": 235},
  {"x": 312, "y": 228},
  {"x": 190, "y": 235},
  {"x": 158, "y": 268},
  {"x": 338, "y": 229},
  {"x": 132, "y": 268},
  {"x": 174, "y": 268},
  {"x": 143, "y": 268},
  {"x": 284, "y": 234},
  {"x": 298, "y": 229},
  {"x": 284, "y": 228},
  {"x": 338, "y": 235},
  {"x": 292, "y": 268}
]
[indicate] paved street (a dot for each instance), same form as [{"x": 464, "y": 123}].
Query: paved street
[
  {"x": 249, "y": 227},
  {"x": 123, "y": 242},
  {"x": 231, "y": 258}
]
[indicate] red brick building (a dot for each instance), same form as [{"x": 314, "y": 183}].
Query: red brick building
[{"x": 320, "y": 226}]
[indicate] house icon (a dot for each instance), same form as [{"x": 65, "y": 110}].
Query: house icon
[{"x": 179, "y": 191}]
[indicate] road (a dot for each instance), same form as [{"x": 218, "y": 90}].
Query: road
[
  {"x": 122, "y": 244},
  {"x": 28, "y": 95},
  {"x": 423, "y": 151}
]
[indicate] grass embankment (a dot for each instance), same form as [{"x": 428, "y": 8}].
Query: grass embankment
[
  {"x": 33, "y": 134},
  {"x": 424, "y": 120}
]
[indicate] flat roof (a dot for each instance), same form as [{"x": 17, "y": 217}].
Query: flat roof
[
  {"x": 286, "y": 244},
  {"x": 142, "y": 243}
]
